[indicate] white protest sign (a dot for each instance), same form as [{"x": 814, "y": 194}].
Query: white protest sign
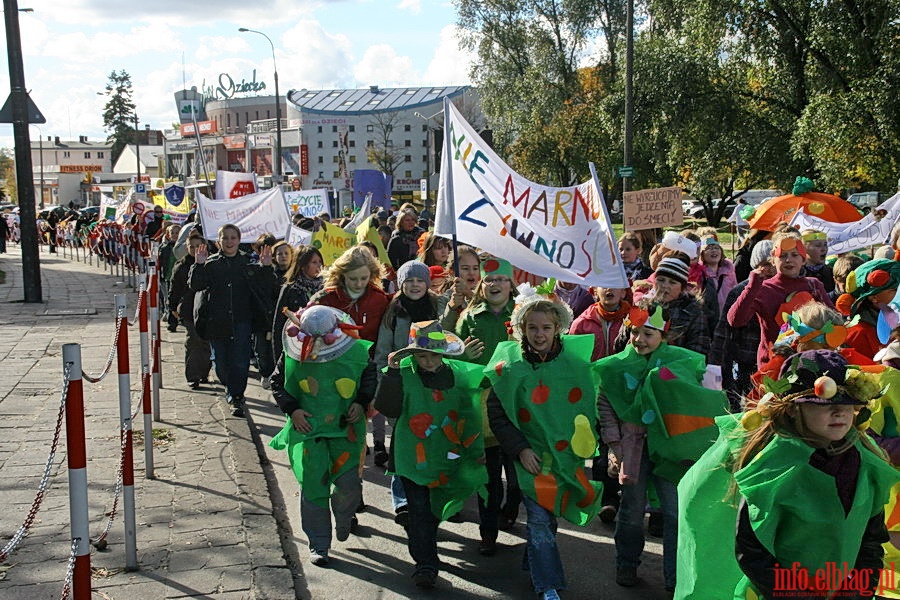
[
  {"x": 234, "y": 185},
  {"x": 308, "y": 203},
  {"x": 873, "y": 229},
  {"x": 254, "y": 214},
  {"x": 297, "y": 236},
  {"x": 552, "y": 232}
]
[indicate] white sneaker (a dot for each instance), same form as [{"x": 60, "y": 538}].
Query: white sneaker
[
  {"x": 318, "y": 558},
  {"x": 550, "y": 595},
  {"x": 266, "y": 383}
]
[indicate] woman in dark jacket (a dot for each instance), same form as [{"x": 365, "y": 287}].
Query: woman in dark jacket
[
  {"x": 233, "y": 308},
  {"x": 404, "y": 242},
  {"x": 302, "y": 280},
  {"x": 181, "y": 302}
]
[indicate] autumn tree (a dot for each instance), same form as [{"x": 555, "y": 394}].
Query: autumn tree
[
  {"x": 381, "y": 151},
  {"x": 119, "y": 114},
  {"x": 8, "y": 174}
]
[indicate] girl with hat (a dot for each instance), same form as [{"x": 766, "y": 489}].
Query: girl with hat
[
  {"x": 808, "y": 490},
  {"x": 763, "y": 297},
  {"x": 437, "y": 451},
  {"x": 542, "y": 408},
  {"x": 482, "y": 325},
  {"x": 324, "y": 381},
  {"x": 719, "y": 269},
  {"x": 656, "y": 418},
  {"x": 412, "y": 303},
  {"x": 688, "y": 323}
]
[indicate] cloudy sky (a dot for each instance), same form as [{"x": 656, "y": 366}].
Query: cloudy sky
[{"x": 71, "y": 46}]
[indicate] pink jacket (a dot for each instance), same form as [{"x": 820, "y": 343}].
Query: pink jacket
[
  {"x": 604, "y": 332},
  {"x": 724, "y": 279}
]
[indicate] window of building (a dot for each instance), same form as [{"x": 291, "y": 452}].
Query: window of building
[
  {"x": 374, "y": 101},
  {"x": 334, "y": 93},
  {"x": 436, "y": 91},
  {"x": 334, "y": 144},
  {"x": 268, "y": 114},
  {"x": 87, "y": 154},
  {"x": 370, "y": 128},
  {"x": 370, "y": 143},
  {"x": 352, "y": 143},
  {"x": 335, "y": 158},
  {"x": 257, "y": 115},
  {"x": 348, "y": 103},
  {"x": 334, "y": 129},
  {"x": 319, "y": 129},
  {"x": 309, "y": 94},
  {"x": 425, "y": 158},
  {"x": 407, "y": 158},
  {"x": 237, "y": 119},
  {"x": 352, "y": 128},
  {"x": 389, "y": 144},
  {"x": 425, "y": 127},
  {"x": 352, "y": 158},
  {"x": 321, "y": 174},
  {"x": 101, "y": 155},
  {"x": 425, "y": 173},
  {"x": 321, "y": 159},
  {"x": 407, "y": 143},
  {"x": 247, "y": 118},
  {"x": 407, "y": 128},
  {"x": 65, "y": 155},
  {"x": 320, "y": 144},
  {"x": 336, "y": 173},
  {"x": 407, "y": 174},
  {"x": 228, "y": 120},
  {"x": 425, "y": 142},
  {"x": 409, "y": 92}
]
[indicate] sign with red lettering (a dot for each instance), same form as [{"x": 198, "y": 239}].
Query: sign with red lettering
[
  {"x": 205, "y": 127},
  {"x": 304, "y": 159}
]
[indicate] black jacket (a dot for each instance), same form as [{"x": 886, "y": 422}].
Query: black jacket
[
  {"x": 238, "y": 290},
  {"x": 181, "y": 298}
]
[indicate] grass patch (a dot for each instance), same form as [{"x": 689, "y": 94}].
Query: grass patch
[{"x": 161, "y": 437}]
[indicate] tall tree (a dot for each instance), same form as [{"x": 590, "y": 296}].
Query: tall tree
[
  {"x": 8, "y": 175},
  {"x": 119, "y": 114},
  {"x": 381, "y": 152}
]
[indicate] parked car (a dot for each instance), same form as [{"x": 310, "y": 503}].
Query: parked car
[{"x": 864, "y": 200}]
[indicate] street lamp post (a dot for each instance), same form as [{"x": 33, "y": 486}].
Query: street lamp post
[
  {"x": 276, "y": 164},
  {"x": 41, "y": 154},
  {"x": 432, "y": 151}
]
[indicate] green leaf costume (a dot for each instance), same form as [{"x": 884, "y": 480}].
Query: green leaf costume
[
  {"x": 333, "y": 447},
  {"x": 554, "y": 404},
  {"x": 438, "y": 440},
  {"x": 664, "y": 393},
  {"x": 793, "y": 507}
]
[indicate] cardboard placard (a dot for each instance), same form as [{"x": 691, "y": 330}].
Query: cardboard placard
[{"x": 648, "y": 209}]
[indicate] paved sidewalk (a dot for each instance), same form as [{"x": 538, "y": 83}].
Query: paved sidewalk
[{"x": 206, "y": 526}]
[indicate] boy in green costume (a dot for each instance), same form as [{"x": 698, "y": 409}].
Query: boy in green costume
[
  {"x": 438, "y": 449},
  {"x": 325, "y": 400},
  {"x": 809, "y": 489}
]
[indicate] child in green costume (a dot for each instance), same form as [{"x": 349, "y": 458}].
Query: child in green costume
[
  {"x": 657, "y": 419},
  {"x": 808, "y": 491},
  {"x": 438, "y": 450},
  {"x": 542, "y": 408},
  {"x": 325, "y": 400}
]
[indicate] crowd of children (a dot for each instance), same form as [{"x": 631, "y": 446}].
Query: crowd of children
[{"x": 745, "y": 403}]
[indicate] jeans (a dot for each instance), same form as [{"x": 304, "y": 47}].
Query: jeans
[
  {"x": 423, "y": 526},
  {"x": 629, "y": 534},
  {"x": 316, "y": 520},
  {"x": 398, "y": 492},
  {"x": 489, "y": 510},
  {"x": 541, "y": 552},
  {"x": 233, "y": 359}
]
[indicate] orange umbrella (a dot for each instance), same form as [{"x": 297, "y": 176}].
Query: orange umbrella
[{"x": 783, "y": 208}]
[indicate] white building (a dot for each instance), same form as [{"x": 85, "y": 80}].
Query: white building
[{"x": 61, "y": 167}]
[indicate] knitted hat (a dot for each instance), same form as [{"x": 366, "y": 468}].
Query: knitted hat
[
  {"x": 413, "y": 268},
  {"x": 761, "y": 253},
  {"x": 437, "y": 271},
  {"x": 496, "y": 266},
  {"x": 823, "y": 377},
  {"x": 429, "y": 336},
  {"x": 672, "y": 240},
  {"x": 673, "y": 268},
  {"x": 318, "y": 334}
]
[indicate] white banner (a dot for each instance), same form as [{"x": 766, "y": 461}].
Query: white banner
[
  {"x": 553, "y": 232},
  {"x": 308, "y": 203},
  {"x": 872, "y": 230},
  {"x": 255, "y": 214},
  {"x": 364, "y": 212},
  {"x": 297, "y": 236},
  {"x": 234, "y": 185}
]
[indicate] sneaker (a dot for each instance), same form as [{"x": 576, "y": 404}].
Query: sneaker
[
  {"x": 238, "y": 406},
  {"x": 402, "y": 516},
  {"x": 607, "y": 514},
  {"x": 362, "y": 506},
  {"x": 318, "y": 557},
  {"x": 550, "y": 595},
  {"x": 194, "y": 385},
  {"x": 425, "y": 578},
  {"x": 487, "y": 547},
  {"x": 342, "y": 533},
  {"x": 626, "y": 576},
  {"x": 655, "y": 524},
  {"x": 508, "y": 517},
  {"x": 266, "y": 383},
  {"x": 381, "y": 455}
]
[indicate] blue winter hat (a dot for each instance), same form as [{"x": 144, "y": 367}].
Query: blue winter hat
[{"x": 413, "y": 268}]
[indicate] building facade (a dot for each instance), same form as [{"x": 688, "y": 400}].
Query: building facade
[{"x": 60, "y": 168}]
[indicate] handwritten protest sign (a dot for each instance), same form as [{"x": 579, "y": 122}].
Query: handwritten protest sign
[
  {"x": 873, "y": 229},
  {"x": 308, "y": 203},
  {"x": 298, "y": 237},
  {"x": 254, "y": 214},
  {"x": 648, "y": 209},
  {"x": 552, "y": 232},
  {"x": 332, "y": 241}
]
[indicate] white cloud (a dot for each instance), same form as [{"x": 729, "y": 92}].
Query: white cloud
[
  {"x": 450, "y": 64},
  {"x": 310, "y": 57},
  {"x": 382, "y": 65},
  {"x": 413, "y": 6}
]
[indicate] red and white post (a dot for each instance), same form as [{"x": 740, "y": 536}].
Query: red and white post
[
  {"x": 131, "y": 563},
  {"x": 146, "y": 405},
  {"x": 153, "y": 273},
  {"x": 77, "y": 460}
]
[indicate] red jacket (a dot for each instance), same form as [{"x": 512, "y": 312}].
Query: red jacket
[
  {"x": 366, "y": 310},
  {"x": 604, "y": 332}
]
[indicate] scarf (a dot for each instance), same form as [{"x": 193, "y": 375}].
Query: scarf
[
  {"x": 307, "y": 285},
  {"x": 418, "y": 310},
  {"x": 633, "y": 269},
  {"x": 616, "y": 315}
]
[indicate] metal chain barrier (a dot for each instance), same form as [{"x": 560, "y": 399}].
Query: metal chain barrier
[
  {"x": 140, "y": 300},
  {"x": 99, "y": 541},
  {"x": 45, "y": 478},
  {"x": 120, "y": 316},
  {"x": 70, "y": 570}
]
